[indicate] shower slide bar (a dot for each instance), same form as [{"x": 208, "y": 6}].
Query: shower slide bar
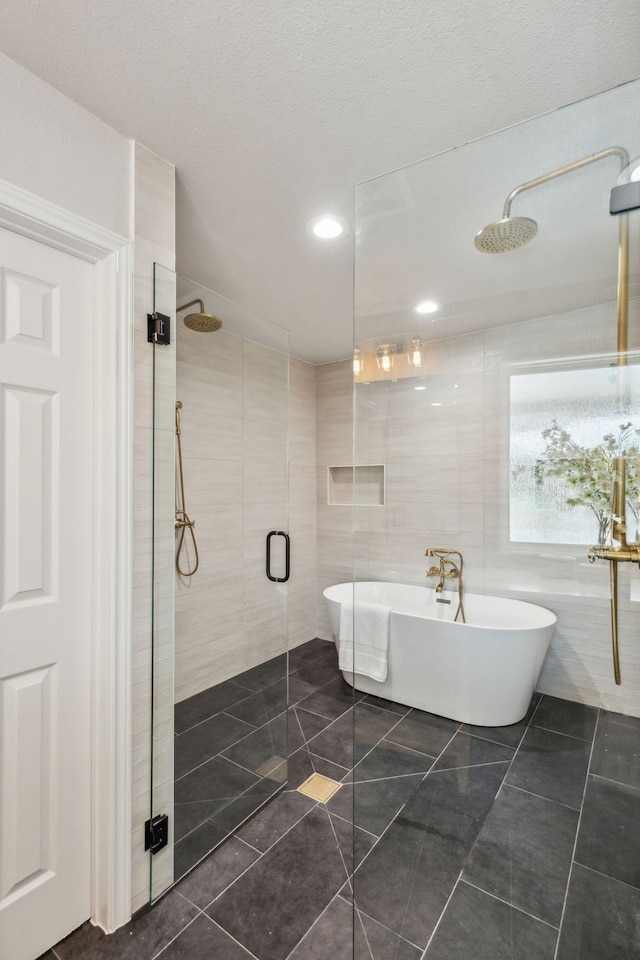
[{"x": 183, "y": 521}]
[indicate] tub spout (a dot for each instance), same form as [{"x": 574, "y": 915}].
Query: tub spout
[{"x": 447, "y": 570}]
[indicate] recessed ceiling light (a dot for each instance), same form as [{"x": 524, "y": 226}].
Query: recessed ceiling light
[
  {"x": 419, "y": 388},
  {"x": 326, "y": 227},
  {"x": 427, "y": 306}
]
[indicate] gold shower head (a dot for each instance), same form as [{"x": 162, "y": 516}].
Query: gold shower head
[{"x": 200, "y": 322}]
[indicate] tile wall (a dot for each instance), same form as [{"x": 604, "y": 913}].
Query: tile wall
[
  {"x": 447, "y": 476},
  {"x": 229, "y": 617}
]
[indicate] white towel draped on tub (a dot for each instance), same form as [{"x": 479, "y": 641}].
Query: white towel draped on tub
[{"x": 370, "y": 621}]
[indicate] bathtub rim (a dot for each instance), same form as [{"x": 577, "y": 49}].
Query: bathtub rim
[{"x": 551, "y": 622}]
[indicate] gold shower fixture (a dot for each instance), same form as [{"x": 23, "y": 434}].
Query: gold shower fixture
[{"x": 509, "y": 233}]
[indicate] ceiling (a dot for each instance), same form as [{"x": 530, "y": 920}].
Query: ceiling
[{"x": 272, "y": 110}]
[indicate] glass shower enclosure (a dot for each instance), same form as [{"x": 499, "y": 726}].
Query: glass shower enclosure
[
  {"x": 497, "y": 395},
  {"x": 221, "y": 564}
]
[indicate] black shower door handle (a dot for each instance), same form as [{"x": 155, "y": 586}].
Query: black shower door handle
[{"x": 287, "y": 555}]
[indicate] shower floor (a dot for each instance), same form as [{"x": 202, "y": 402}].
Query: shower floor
[
  {"x": 230, "y": 752},
  {"x": 470, "y": 843}
]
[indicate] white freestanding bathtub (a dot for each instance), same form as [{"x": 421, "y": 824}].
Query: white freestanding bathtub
[{"x": 481, "y": 672}]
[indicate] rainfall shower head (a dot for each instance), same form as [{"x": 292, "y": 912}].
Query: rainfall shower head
[
  {"x": 200, "y": 322},
  {"x": 509, "y": 233}
]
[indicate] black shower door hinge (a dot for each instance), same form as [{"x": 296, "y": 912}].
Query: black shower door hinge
[
  {"x": 156, "y": 833},
  {"x": 158, "y": 328}
]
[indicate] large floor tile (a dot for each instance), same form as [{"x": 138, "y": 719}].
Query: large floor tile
[
  {"x": 424, "y": 731},
  {"x": 140, "y": 939},
  {"x": 217, "y": 872},
  {"x": 616, "y": 751},
  {"x": 263, "y": 675},
  {"x": 566, "y": 716},
  {"x": 406, "y": 880},
  {"x": 551, "y": 765},
  {"x": 609, "y": 838},
  {"x": 310, "y": 651},
  {"x": 468, "y": 751},
  {"x": 475, "y": 926},
  {"x": 335, "y": 742},
  {"x": 295, "y": 736},
  {"x": 187, "y": 817},
  {"x": 353, "y": 842},
  {"x": 233, "y": 814},
  {"x": 374, "y": 804},
  {"x": 372, "y": 941},
  {"x": 202, "y": 940},
  {"x": 399, "y": 708},
  {"x": 389, "y": 759},
  {"x": 272, "y": 906},
  {"x": 213, "y": 785},
  {"x": 205, "y": 740},
  {"x": 523, "y": 853},
  {"x": 310, "y": 723},
  {"x": 330, "y": 936},
  {"x": 203, "y": 705},
  {"x": 370, "y": 725},
  {"x": 303, "y": 763},
  {"x": 601, "y": 919},
  {"x": 260, "y": 747},
  {"x": 273, "y": 821},
  {"x": 299, "y": 690},
  {"x": 262, "y": 706},
  {"x": 510, "y": 735},
  {"x": 468, "y": 790},
  {"x": 317, "y": 672},
  {"x": 195, "y": 846},
  {"x": 331, "y": 700}
]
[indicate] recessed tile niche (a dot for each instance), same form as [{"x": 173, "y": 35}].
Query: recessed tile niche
[{"x": 360, "y": 485}]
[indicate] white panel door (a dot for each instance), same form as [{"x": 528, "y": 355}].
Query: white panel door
[{"x": 46, "y": 512}]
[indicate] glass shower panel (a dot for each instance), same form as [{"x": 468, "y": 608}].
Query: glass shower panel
[
  {"x": 498, "y": 382},
  {"x": 162, "y": 606},
  {"x": 229, "y": 567}
]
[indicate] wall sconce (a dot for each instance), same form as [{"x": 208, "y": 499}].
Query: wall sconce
[
  {"x": 384, "y": 356},
  {"x": 357, "y": 363},
  {"x": 413, "y": 352}
]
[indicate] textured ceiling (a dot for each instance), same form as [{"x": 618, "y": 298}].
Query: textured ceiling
[{"x": 272, "y": 110}]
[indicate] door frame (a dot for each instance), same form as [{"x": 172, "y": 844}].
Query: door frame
[{"x": 111, "y": 780}]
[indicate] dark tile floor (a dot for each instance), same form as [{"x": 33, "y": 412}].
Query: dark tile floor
[
  {"x": 229, "y": 757},
  {"x": 519, "y": 843}
]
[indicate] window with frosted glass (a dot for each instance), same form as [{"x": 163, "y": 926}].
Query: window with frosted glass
[{"x": 566, "y": 428}]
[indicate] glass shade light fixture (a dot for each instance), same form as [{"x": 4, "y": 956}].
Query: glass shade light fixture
[
  {"x": 384, "y": 356},
  {"x": 414, "y": 352},
  {"x": 357, "y": 363}
]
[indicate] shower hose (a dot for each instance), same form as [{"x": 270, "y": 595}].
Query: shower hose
[{"x": 183, "y": 522}]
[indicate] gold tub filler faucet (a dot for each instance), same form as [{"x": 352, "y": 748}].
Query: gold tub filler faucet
[{"x": 447, "y": 570}]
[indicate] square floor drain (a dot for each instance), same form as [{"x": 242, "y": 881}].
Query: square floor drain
[
  {"x": 275, "y": 769},
  {"x": 319, "y": 788}
]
